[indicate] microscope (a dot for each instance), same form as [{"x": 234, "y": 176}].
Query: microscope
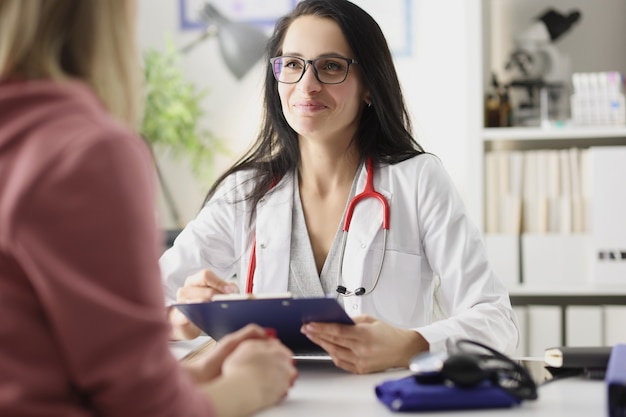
[{"x": 542, "y": 73}]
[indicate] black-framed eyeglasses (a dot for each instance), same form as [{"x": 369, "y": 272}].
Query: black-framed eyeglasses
[{"x": 327, "y": 70}]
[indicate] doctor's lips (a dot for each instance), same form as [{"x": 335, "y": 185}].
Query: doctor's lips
[{"x": 308, "y": 106}]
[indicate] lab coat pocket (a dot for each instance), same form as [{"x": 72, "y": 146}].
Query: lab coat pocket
[{"x": 399, "y": 292}]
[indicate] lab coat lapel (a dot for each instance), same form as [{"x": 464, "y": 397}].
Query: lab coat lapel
[{"x": 273, "y": 238}]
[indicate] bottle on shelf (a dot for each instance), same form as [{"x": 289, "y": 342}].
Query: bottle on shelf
[{"x": 498, "y": 105}]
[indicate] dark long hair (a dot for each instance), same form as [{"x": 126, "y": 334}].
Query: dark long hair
[{"x": 384, "y": 131}]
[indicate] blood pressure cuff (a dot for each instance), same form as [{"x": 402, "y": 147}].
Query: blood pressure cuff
[{"x": 406, "y": 394}]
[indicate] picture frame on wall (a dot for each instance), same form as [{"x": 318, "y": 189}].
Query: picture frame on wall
[
  {"x": 393, "y": 16},
  {"x": 263, "y": 13}
]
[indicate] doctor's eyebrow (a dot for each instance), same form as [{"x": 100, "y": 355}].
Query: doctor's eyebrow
[{"x": 325, "y": 55}]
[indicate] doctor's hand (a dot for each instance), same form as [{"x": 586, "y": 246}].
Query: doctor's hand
[
  {"x": 199, "y": 287},
  {"x": 370, "y": 345}
]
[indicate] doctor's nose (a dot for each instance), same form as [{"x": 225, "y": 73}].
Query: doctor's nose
[{"x": 309, "y": 82}]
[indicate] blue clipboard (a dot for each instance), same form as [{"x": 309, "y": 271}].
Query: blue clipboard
[{"x": 285, "y": 315}]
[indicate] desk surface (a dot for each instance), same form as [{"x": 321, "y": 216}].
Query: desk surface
[{"x": 323, "y": 390}]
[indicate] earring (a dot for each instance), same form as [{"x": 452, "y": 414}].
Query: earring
[{"x": 369, "y": 104}]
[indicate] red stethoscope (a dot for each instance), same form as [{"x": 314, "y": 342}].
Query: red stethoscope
[{"x": 368, "y": 192}]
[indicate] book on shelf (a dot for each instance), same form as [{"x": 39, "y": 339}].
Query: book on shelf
[
  {"x": 546, "y": 191},
  {"x": 583, "y": 357}
]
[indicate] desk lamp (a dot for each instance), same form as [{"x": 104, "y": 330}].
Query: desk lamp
[{"x": 241, "y": 44}]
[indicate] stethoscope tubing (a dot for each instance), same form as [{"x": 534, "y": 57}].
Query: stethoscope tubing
[{"x": 368, "y": 192}]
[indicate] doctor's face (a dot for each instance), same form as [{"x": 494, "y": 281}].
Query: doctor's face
[{"x": 312, "y": 108}]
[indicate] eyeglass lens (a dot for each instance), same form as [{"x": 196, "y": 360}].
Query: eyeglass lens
[{"x": 328, "y": 70}]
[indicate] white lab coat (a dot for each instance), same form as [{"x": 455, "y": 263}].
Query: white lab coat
[{"x": 435, "y": 258}]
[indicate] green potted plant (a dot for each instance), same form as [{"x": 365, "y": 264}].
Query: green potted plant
[{"x": 172, "y": 119}]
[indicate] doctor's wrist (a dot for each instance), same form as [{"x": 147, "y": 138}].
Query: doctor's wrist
[{"x": 414, "y": 343}]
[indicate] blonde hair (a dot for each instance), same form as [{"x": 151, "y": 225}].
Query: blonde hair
[{"x": 88, "y": 40}]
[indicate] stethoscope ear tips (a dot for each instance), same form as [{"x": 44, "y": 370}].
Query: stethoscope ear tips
[{"x": 344, "y": 291}]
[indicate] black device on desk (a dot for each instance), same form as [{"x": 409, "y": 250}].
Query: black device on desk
[
  {"x": 285, "y": 315},
  {"x": 589, "y": 361}
]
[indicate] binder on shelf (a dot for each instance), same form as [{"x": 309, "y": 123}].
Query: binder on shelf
[
  {"x": 492, "y": 217},
  {"x": 608, "y": 172},
  {"x": 544, "y": 328},
  {"x": 555, "y": 259},
  {"x": 512, "y": 210},
  {"x": 614, "y": 324},
  {"x": 534, "y": 197},
  {"x": 579, "y": 172},
  {"x": 584, "y": 326},
  {"x": 503, "y": 191}
]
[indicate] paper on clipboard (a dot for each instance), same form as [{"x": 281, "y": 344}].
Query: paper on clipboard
[{"x": 285, "y": 315}]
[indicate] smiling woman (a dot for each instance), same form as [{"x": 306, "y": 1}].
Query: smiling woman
[{"x": 276, "y": 219}]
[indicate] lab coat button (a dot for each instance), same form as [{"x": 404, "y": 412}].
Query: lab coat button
[
  {"x": 355, "y": 306},
  {"x": 363, "y": 245},
  {"x": 263, "y": 245}
]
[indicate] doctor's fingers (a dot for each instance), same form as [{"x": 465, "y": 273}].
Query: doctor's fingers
[
  {"x": 346, "y": 336},
  {"x": 195, "y": 294},
  {"x": 352, "y": 334},
  {"x": 197, "y": 288},
  {"x": 208, "y": 278},
  {"x": 345, "y": 358},
  {"x": 357, "y": 356}
]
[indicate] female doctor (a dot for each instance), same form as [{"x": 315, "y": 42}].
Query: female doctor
[{"x": 410, "y": 268}]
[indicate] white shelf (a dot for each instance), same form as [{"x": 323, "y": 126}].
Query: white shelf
[
  {"x": 537, "y": 133},
  {"x": 597, "y": 291}
]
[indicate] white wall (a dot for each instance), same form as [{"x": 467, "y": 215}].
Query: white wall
[{"x": 440, "y": 78}]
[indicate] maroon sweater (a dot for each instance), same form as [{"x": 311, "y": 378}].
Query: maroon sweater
[{"x": 82, "y": 325}]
